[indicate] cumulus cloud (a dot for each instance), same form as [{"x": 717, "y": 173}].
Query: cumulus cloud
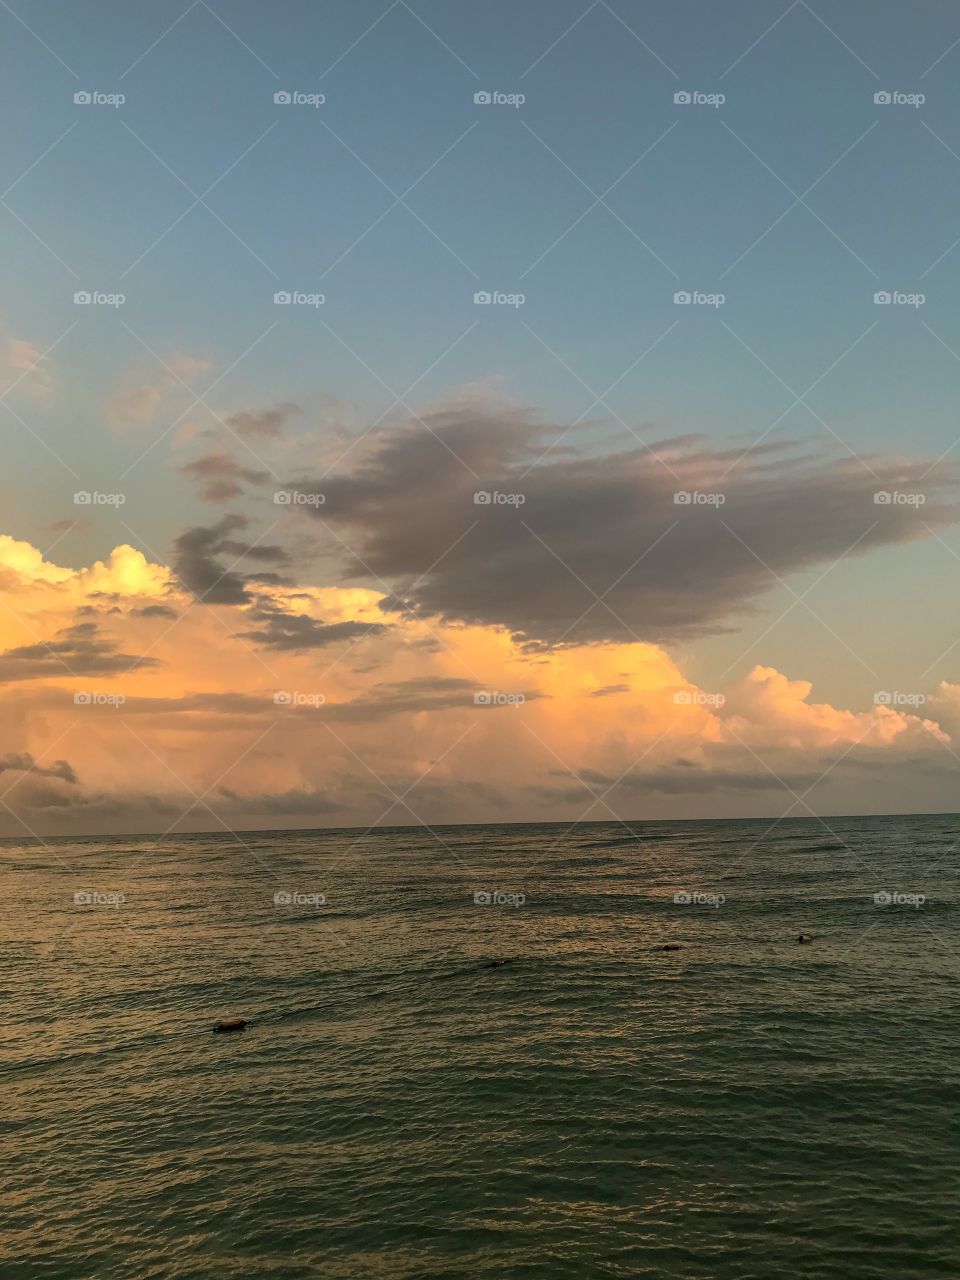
[
  {"x": 373, "y": 702},
  {"x": 573, "y": 549},
  {"x": 126, "y": 572}
]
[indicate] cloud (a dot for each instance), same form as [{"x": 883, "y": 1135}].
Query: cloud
[
  {"x": 29, "y": 365},
  {"x": 296, "y": 632},
  {"x": 155, "y": 611},
  {"x": 379, "y": 701},
  {"x": 197, "y": 567},
  {"x": 220, "y": 476},
  {"x": 682, "y": 781},
  {"x": 135, "y": 406},
  {"x": 775, "y": 712},
  {"x": 575, "y": 549},
  {"x": 297, "y": 802},
  {"x": 265, "y": 423},
  {"x": 23, "y": 762},
  {"x": 422, "y": 694},
  {"x": 138, "y": 403},
  {"x": 126, "y": 572},
  {"x": 78, "y": 650}
]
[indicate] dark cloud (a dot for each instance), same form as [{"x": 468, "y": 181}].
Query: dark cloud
[
  {"x": 79, "y": 650},
  {"x": 155, "y": 611},
  {"x": 727, "y": 768},
  {"x": 606, "y": 525},
  {"x": 196, "y": 564},
  {"x": 296, "y": 632},
  {"x": 609, "y": 689},
  {"x": 425, "y": 694},
  {"x": 685, "y": 779},
  {"x": 296, "y": 801},
  {"x": 266, "y": 423},
  {"x": 23, "y": 762},
  {"x": 74, "y": 805},
  {"x": 221, "y": 476},
  {"x": 89, "y": 610},
  {"x": 447, "y": 799},
  {"x": 211, "y": 712},
  {"x": 270, "y": 579}
]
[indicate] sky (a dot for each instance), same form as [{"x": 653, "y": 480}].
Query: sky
[{"x": 440, "y": 412}]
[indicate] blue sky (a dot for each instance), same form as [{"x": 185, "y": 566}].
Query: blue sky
[{"x": 598, "y": 198}]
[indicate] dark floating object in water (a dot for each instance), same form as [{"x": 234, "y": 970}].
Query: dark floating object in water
[
  {"x": 803, "y": 937},
  {"x": 495, "y": 964},
  {"x": 670, "y": 946},
  {"x": 237, "y": 1024}
]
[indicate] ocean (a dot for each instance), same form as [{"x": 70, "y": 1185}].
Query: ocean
[{"x": 403, "y": 1106}]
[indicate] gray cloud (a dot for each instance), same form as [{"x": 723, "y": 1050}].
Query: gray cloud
[
  {"x": 155, "y": 611},
  {"x": 23, "y": 762},
  {"x": 606, "y": 525},
  {"x": 221, "y": 476},
  {"x": 211, "y": 711},
  {"x": 267, "y": 423},
  {"x": 296, "y": 632},
  {"x": 196, "y": 564},
  {"x": 428, "y": 693},
  {"x": 78, "y": 650},
  {"x": 298, "y": 801},
  {"x": 684, "y": 778},
  {"x": 609, "y": 689}
]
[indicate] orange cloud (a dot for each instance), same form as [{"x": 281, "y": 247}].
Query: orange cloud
[{"x": 149, "y": 699}]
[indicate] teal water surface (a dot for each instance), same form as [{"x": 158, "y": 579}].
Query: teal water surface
[{"x": 401, "y": 1107}]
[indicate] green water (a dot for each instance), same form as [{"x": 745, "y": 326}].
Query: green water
[{"x": 743, "y": 1107}]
